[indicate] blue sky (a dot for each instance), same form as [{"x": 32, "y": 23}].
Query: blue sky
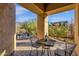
[
  {"x": 63, "y": 16},
  {"x": 23, "y": 14}
]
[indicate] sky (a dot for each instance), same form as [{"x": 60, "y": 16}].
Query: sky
[
  {"x": 23, "y": 14},
  {"x": 63, "y": 16}
]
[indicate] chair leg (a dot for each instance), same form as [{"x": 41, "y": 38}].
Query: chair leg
[
  {"x": 36, "y": 51},
  {"x": 42, "y": 51},
  {"x": 30, "y": 52},
  {"x": 55, "y": 53},
  {"x": 49, "y": 52}
]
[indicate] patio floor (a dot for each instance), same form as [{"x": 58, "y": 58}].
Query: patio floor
[{"x": 23, "y": 48}]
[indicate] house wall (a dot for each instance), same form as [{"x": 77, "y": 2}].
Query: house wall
[{"x": 7, "y": 27}]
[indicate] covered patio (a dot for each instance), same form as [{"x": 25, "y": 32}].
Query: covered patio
[{"x": 7, "y": 22}]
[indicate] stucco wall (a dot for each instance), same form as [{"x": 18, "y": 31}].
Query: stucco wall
[
  {"x": 42, "y": 25},
  {"x": 76, "y": 28},
  {"x": 7, "y": 27}
]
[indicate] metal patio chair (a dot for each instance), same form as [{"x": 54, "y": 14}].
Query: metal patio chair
[
  {"x": 34, "y": 45},
  {"x": 67, "y": 51}
]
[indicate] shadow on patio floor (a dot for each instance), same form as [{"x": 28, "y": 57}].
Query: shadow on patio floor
[{"x": 33, "y": 53}]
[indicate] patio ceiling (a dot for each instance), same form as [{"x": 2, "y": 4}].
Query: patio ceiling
[
  {"x": 48, "y": 8},
  {"x": 51, "y": 6}
]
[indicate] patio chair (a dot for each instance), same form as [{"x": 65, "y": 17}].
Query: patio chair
[
  {"x": 67, "y": 51},
  {"x": 34, "y": 45}
]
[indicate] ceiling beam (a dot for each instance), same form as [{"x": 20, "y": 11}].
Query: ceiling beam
[
  {"x": 61, "y": 9},
  {"x": 32, "y": 7}
]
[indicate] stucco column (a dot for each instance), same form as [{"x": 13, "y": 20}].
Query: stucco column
[
  {"x": 7, "y": 28},
  {"x": 42, "y": 25},
  {"x": 76, "y": 28}
]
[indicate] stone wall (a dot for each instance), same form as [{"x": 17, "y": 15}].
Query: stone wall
[{"x": 7, "y": 27}]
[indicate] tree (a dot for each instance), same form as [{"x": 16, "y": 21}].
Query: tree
[
  {"x": 62, "y": 31},
  {"x": 18, "y": 28},
  {"x": 29, "y": 26}
]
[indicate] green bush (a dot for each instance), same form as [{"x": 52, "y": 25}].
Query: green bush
[
  {"x": 54, "y": 31},
  {"x": 58, "y": 31},
  {"x": 29, "y": 26}
]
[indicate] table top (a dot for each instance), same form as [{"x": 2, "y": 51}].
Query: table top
[{"x": 46, "y": 43}]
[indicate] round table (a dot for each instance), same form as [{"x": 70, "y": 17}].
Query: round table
[{"x": 46, "y": 45}]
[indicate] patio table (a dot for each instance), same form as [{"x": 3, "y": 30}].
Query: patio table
[{"x": 46, "y": 45}]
